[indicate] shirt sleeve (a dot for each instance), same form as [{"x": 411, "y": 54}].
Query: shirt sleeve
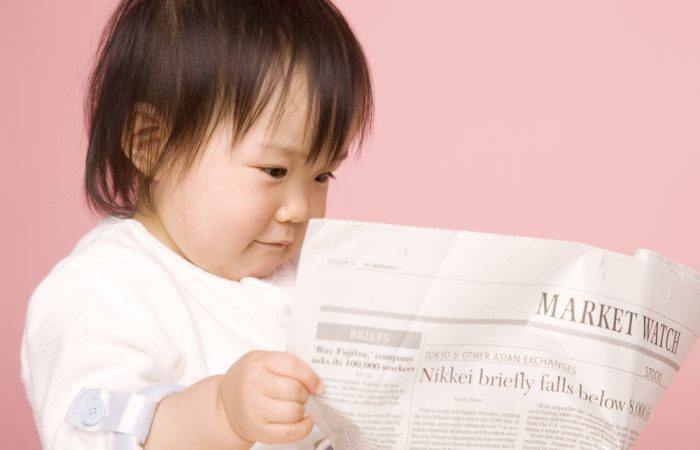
[{"x": 92, "y": 324}]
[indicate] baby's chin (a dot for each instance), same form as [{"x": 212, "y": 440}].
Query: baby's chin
[
  {"x": 264, "y": 269},
  {"x": 264, "y": 272}
]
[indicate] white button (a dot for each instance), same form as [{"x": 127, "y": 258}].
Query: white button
[{"x": 93, "y": 412}]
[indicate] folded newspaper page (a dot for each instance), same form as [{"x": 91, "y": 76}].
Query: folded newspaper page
[{"x": 440, "y": 339}]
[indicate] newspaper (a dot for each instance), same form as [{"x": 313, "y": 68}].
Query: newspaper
[{"x": 440, "y": 339}]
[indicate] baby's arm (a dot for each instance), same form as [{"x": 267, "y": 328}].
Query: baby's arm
[
  {"x": 260, "y": 398},
  {"x": 92, "y": 326}
]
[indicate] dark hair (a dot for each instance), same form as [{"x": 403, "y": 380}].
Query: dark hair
[{"x": 197, "y": 62}]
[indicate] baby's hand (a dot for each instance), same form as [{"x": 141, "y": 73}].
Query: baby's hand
[{"x": 263, "y": 396}]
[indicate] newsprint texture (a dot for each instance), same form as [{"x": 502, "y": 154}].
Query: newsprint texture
[{"x": 439, "y": 339}]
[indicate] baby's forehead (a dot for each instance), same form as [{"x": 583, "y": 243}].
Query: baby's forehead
[
  {"x": 291, "y": 123},
  {"x": 301, "y": 153},
  {"x": 278, "y": 148},
  {"x": 286, "y": 116}
]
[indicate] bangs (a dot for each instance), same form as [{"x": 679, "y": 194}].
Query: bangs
[{"x": 320, "y": 62}]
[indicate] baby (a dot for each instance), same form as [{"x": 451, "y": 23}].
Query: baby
[{"x": 215, "y": 127}]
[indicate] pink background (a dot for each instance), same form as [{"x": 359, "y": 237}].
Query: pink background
[{"x": 566, "y": 120}]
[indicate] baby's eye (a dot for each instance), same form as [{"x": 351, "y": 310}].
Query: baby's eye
[
  {"x": 274, "y": 172},
  {"x": 324, "y": 177}
]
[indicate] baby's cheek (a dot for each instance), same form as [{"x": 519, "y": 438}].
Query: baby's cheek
[
  {"x": 293, "y": 249},
  {"x": 319, "y": 211},
  {"x": 317, "y": 203}
]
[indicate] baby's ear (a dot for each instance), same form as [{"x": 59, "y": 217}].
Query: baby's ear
[{"x": 143, "y": 137}]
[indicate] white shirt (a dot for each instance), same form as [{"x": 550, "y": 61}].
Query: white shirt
[{"x": 123, "y": 311}]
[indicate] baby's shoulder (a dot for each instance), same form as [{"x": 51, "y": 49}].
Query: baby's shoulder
[
  {"x": 114, "y": 248},
  {"x": 109, "y": 304},
  {"x": 110, "y": 261}
]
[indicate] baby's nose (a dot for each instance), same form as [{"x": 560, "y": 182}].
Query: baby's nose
[{"x": 295, "y": 208}]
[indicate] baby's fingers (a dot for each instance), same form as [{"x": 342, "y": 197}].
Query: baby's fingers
[
  {"x": 288, "y": 365},
  {"x": 283, "y": 412},
  {"x": 287, "y": 432},
  {"x": 285, "y": 388}
]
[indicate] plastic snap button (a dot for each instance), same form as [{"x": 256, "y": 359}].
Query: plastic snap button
[{"x": 93, "y": 412}]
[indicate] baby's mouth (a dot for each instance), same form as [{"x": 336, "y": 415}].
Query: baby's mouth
[{"x": 277, "y": 244}]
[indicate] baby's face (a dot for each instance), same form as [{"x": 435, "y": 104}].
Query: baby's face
[{"x": 243, "y": 211}]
